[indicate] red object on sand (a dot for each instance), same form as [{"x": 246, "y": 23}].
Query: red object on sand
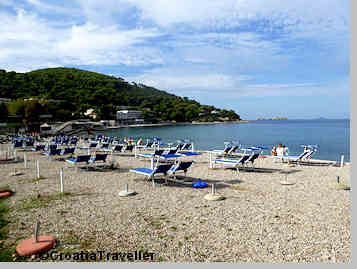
[
  {"x": 4, "y": 193},
  {"x": 262, "y": 156},
  {"x": 28, "y": 247}
]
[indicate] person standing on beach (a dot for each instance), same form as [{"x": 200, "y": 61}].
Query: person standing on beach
[
  {"x": 273, "y": 151},
  {"x": 285, "y": 150},
  {"x": 280, "y": 150}
]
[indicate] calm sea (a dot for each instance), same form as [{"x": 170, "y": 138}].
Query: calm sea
[{"x": 332, "y": 136}]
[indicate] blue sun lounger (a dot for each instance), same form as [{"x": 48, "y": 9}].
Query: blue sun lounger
[
  {"x": 179, "y": 166},
  {"x": 226, "y": 151},
  {"x": 169, "y": 156},
  {"x": 189, "y": 153},
  {"x": 186, "y": 146},
  {"x": 252, "y": 158},
  {"x": 303, "y": 157},
  {"x": 116, "y": 148},
  {"x": 103, "y": 147},
  {"x": 294, "y": 158},
  {"x": 234, "y": 163},
  {"x": 98, "y": 158},
  {"x": 38, "y": 148},
  {"x": 152, "y": 154},
  {"x": 79, "y": 159},
  {"x": 129, "y": 148},
  {"x": 18, "y": 144},
  {"x": 52, "y": 152},
  {"x": 67, "y": 151},
  {"x": 150, "y": 173},
  {"x": 91, "y": 146}
]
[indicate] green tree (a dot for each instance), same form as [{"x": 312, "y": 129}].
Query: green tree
[
  {"x": 17, "y": 108},
  {"x": 3, "y": 111},
  {"x": 33, "y": 109}
]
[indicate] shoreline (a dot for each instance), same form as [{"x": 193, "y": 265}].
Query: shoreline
[{"x": 174, "y": 124}]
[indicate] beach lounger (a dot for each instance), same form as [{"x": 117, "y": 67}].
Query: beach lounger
[
  {"x": 221, "y": 151},
  {"x": 103, "y": 146},
  {"x": 91, "y": 146},
  {"x": 29, "y": 144},
  {"x": 173, "y": 151},
  {"x": 152, "y": 154},
  {"x": 38, "y": 148},
  {"x": 252, "y": 158},
  {"x": 148, "y": 144},
  {"x": 116, "y": 148},
  {"x": 186, "y": 146},
  {"x": 189, "y": 153},
  {"x": 150, "y": 173},
  {"x": 302, "y": 158},
  {"x": 18, "y": 144},
  {"x": 129, "y": 148},
  {"x": 67, "y": 151},
  {"x": 179, "y": 166},
  {"x": 79, "y": 159},
  {"x": 73, "y": 142},
  {"x": 234, "y": 163},
  {"x": 51, "y": 147},
  {"x": 98, "y": 158},
  {"x": 293, "y": 158},
  {"x": 169, "y": 156},
  {"x": 52, "y": 152},
  {"x": 231, "y": 150}
]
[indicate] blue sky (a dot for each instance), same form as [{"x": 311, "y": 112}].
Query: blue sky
[{"x": 260, "y": 58}]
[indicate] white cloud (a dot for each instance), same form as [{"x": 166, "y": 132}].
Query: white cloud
[
  {"x": 29, "y": 42},
  {"x": 93, "y": 44},
  {"x": 179, "y": 80}
]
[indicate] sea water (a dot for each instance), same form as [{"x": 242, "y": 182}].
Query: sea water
[{"x": 331, "y": 136}]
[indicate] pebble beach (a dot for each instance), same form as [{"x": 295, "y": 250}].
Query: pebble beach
[{"x": 260, "y": 220}]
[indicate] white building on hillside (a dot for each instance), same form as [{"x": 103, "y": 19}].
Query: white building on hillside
[{"x": 129, "y": 117}]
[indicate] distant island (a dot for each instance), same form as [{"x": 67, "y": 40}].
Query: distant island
[{"x": 275, "y": 118}]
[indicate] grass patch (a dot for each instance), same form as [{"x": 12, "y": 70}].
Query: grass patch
[
  {"x": 7, "y": 254},
  {"x": 161, "y": 259},
  {"x": 62, "y": 212},
  {"x": 32, "y": 180},
  {"x": 4, "y": 209},
  {"x": 238, "y": 188},
  {"x": 173, "y": 228},
  {"x": 156, "y": 224},
  {"x": 163, "y": 236},
  {"x": 36, "y": 179},
  {"x": 85, "y": 244},
  {"x": 70, "y": 239},
  {"x": 40, "y": 200}
]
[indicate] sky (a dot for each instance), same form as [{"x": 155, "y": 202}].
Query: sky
[{"x": 261, "y": 58}]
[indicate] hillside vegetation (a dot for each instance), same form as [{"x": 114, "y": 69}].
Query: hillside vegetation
[{"x": 67, "y": 93}]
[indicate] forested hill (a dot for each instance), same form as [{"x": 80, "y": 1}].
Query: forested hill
[{"x": 68, "y": 92}]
